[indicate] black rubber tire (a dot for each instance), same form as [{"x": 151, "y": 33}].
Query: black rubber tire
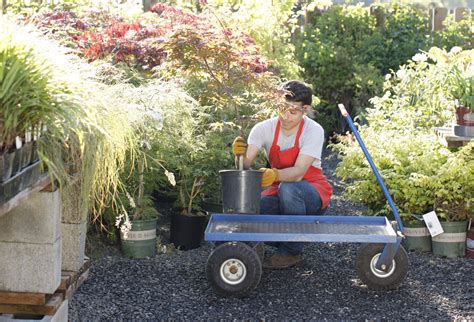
[
  {"x": 259, "y": 248},
  {"x": 365, "y": 272},
  {"x": 241, "y": 253}
]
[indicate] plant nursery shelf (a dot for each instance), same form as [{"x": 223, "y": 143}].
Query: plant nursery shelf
[
  {"x": 41, "y": 184},
  {"x": 447, "y": 137},
  {"x": 38, "y": 304}
]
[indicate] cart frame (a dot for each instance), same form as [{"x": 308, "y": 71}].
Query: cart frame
[{"x": 308, "y": 228}]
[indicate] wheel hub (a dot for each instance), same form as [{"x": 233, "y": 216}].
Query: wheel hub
[
  {"x": 378, "y": 272},
  {"x": 233, "y": 271}
]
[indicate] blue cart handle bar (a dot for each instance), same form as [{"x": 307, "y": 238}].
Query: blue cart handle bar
[{"x": 372, "y": 165}]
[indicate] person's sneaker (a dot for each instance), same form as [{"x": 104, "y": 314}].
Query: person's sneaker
[{"x": 278, "y": 261}]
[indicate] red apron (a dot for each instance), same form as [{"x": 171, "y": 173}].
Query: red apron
[{"x": 286, "y": 159}]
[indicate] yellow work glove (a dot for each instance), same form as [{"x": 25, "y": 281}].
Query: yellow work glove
[
  {"x": 239, "y": 147},
  {"x": 269, "y": 176}
]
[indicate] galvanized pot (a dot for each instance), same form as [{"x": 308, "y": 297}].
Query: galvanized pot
[{"x": 241, "y": 191}]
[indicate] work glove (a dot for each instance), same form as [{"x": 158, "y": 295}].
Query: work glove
[
  {"x": 269, "y": 176},
  {"x": 239, "y": 147}
]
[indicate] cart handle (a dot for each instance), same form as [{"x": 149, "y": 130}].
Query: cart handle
[{"x": 372, "y": 165}]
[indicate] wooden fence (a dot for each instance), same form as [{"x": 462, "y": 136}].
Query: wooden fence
[{"x": 437, "y": 15}]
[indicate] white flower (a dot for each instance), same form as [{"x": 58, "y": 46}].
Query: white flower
[
  {"x": 420, "y": 57},
  {"x": 118, "y": 219},
  {"x": 401, "y": 73},
  {"x": 170, "y": 176},
  {"x": 388, "y": 76},
  {"x": 455, "y": 50},
  {"x": 125, "y": 228}
]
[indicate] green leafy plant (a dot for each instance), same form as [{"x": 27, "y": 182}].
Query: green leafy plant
[
  {"x": 455, "y": 33},
  {"x": 462, "y": 86},
  {"x": 346, "y": 52},
  {"x": 419, "y": 95},
  {"x": 270, "y": 24},
  {"x": 91, "y": 131},
  {"x": 421, "y": 174},
  {"x": 28, "y": 96}
]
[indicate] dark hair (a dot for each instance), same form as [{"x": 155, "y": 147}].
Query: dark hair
[{"x": 299, "y": 92}]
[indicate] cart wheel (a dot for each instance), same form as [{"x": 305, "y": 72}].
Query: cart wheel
[
  {"x": 377, "y": 279},
  {"x": 234, "y": 269},
  {"x": 259, "y": 248}
]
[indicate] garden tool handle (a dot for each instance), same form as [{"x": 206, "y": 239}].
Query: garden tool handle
[
  {"x": 372, "y": 165},
  {"x": 241, "y": 162},
  {"x": 343, "y": 110}
]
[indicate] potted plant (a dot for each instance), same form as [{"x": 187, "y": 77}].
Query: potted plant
[
  {"x": 27, "y": 98},
  {"x": 454, "y": 202},
  {"x": 462, "y": 90},
  {"x": 138, "y": 230},
  {"x": 188, "y": 222},
  {"x": 422, "y": 176}
]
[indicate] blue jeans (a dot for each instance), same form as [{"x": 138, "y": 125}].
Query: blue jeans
[{"x": 294, "y": 198}]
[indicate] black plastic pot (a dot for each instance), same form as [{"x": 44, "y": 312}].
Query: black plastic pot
[
  {"x": 10, "y": 188},
  {"x": 187, "y": 232},
  {"x": 34, "y": 152},
  {"x": 6, "y": 166},
  {"x": 26, "y": 180},
  {"x": 241, "y": 191},
  {"x": 27, "y": 150},
  {"x": 17, "y": 161}
]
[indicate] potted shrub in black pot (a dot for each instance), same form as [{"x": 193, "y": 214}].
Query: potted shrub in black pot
[{"x": 188, "y": 221}]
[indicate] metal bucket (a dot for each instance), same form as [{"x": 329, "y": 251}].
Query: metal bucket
[{"x": 241, "y": 191}]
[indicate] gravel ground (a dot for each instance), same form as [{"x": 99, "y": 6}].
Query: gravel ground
[{"x": 174, "y": 286}]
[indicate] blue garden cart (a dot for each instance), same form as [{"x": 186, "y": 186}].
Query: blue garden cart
[{"x": 234, "y": 267}]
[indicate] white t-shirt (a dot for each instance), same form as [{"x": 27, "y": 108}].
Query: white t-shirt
[{"x": 311, "y": 139}]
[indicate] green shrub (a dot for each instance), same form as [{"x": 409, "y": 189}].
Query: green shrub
[
  {"x": 345, "y": 52},
  {"x": 420, "y": 173},
  {"x": 455, "y": 33},
  {"x": 419, "y": 95}
]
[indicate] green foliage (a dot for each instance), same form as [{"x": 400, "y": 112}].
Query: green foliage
[
  {"x": 345, "y": 51},
  {"x": 462, "y": 85},
  {"x": 91, "y": 130},
  {"x": 28, "y": 95},
  {"x": 420, "y": 173},
  {"x": 270, "y": 24},
  {"x": 226, "y": 77},
  {"x": 125, "y": 8},
  {"x": 455, "y": 33},
  {"x": 419, "y": 96},
  {"x": 331, "y": 51},
  {"x": 404, "y": 31}
]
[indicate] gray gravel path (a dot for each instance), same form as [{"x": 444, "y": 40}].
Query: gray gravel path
[{"x": 174, "y": 286}]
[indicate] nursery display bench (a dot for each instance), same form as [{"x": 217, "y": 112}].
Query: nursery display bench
[
  {"x": 447, "y": 137},
  {"x": 43, "y": 183}
]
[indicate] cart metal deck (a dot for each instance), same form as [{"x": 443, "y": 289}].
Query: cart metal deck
[{"x": 299, "y": 228}]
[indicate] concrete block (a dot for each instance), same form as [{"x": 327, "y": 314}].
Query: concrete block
[
  {"x": 28, "y": 267},
  {"x": 36, "y": 220},
  {"x": 74, "y": 243}
]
